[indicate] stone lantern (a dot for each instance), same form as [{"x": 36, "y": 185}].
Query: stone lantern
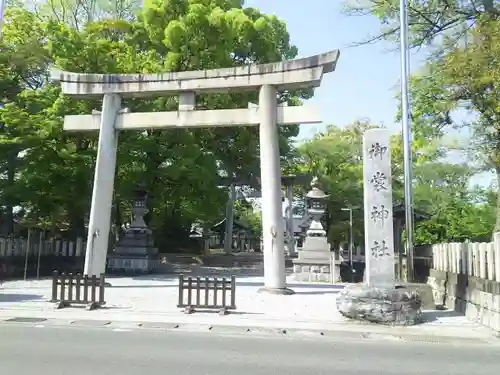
[
  {"x": 139, "y": 210},
  {"x": 315, "y": 261},
  {"x": 135, "y": 251},
  {"x": 316, "y": 208}
]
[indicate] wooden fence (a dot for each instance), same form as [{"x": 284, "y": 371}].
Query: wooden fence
[
  {"x": 203, "y": 293},
  {"x": 240, "y": 243},
  {"x": 470, "y": 258},
  {"x": 38, "y": 256},
  {"x": 69, "y": 289},
  {"x": 37, "y": 245}
]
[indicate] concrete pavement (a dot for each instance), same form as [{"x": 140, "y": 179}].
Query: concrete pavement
[
  {"x": 85, "y": 350},
  {"x": 153, "y": 299}
]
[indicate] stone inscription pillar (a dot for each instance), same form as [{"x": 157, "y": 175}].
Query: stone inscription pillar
[
  {"x": 102, "y": 193},
  {"x": 379, "y": 239},
  {"x": 272, "y": 221}
]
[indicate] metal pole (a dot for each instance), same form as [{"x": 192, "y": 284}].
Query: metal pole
[
  {"x": 40, "y": 244},
  {"x": 406, "y": 124},
  {"x": 2, "y": 11},
  {"x": 28, "y": 245},
  {"x": 228, "y": 233},
  {"x": 351, "y": 240}
]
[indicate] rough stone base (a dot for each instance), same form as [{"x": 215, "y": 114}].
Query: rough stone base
[
  {"x": 424, "y": 291},
  {"x": 392, "y": 304},
  {"x": 316, "y": 273}
]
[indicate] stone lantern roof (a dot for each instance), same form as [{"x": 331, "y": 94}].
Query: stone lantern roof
[{"x": 316, "y": 192}]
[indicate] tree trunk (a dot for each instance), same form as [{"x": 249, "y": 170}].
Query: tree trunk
[
  {"x": 228, "y": 233},
  {"x": 76, "y": 224},
  {"x": 11, "y": 173}
]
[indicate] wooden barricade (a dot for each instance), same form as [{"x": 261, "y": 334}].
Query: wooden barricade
[
  {"x": 203, "y": 293},
  {"x": 69, "y": 289}
]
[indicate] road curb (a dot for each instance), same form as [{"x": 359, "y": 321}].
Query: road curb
[{"x": 344, "y": 331}]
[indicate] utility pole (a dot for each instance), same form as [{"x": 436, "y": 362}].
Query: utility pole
[{"x": 407, "y": 137}]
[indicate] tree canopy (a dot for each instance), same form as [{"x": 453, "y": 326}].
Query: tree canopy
[
  {"x": 441, "y": 188},
  {"x": 428, "y": 20},
  {"x": 457, "y": 88},
  {"x": 49, "y": 173}
]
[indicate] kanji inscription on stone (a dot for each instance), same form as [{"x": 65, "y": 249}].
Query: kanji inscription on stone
[
  {"x": 379, "y": 181},
  {"x": 377, "y": 151},
  {"x": 379, "y": 249},
  {"x": 379, "y": 214},
  {"x": 379, "y": 237}
]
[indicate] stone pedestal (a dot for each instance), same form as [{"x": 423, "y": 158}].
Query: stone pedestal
[
  {"x": 395, "y": 304},
  {"x": 135, "y": 253},
  {"x": 311, "y": 271},
  {"x": 316, "y": 263}
]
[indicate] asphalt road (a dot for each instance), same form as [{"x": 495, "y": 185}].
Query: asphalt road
[{"x": 29, "y": 350}]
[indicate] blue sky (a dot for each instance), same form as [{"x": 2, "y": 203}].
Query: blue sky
[
  {"x": 366, "y": 81},
  {"x": 367, "y": 77}
]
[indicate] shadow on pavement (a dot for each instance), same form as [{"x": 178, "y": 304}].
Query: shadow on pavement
[
  {"x": 316, "y": 292},
  {"x": 132, "y": 286},
  {"x": 432, "y": 316},
  {"x": 230, "y": 312},
  {"x": 6, "y": 297},
  {"x": 316, "y": 286},
  {"x": 332, "y": 288},
  {"x": 202, "y": 271}
]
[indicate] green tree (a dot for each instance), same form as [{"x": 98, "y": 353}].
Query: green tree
[
  {"x": 180, "y": 168},
  {"x": 335, "y": 157},
  {"x": 77, "y": 13},
  {"x": 457, "y": 213},
  {"x": 23, "y": 62},
  {"x": 461, "y": 74},
  {"x": 464, "y": 79},
  {"x": 441, "y": 189},
  {"x": 245, "y": 212},
  {"x": 427, "y": 19}
]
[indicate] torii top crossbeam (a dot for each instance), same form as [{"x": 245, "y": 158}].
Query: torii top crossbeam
[{"x": 305, "y": 72}]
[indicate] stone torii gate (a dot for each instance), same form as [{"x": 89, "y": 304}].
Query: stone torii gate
[{"x": 267, "y": 78}]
